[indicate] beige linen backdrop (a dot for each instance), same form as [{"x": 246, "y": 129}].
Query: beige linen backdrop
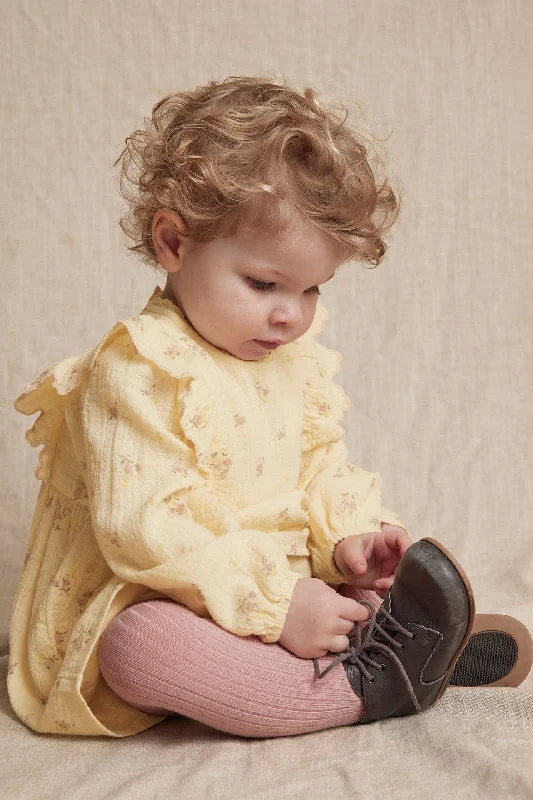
[{"x": 436, "y": 341}]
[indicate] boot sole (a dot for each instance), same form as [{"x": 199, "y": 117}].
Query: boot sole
[
  {"x": 503, "y": 626},
  {"x": 471, "y": 618}
]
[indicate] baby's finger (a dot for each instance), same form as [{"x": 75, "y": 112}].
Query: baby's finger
[{"x": 384, "y": 583}]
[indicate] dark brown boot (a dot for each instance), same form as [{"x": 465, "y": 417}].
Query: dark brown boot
[{"x": 403, "y": 661}]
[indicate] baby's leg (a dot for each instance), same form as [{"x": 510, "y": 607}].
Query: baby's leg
[{"x": 162, "y": 658}]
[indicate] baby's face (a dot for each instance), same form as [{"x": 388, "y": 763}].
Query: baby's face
[{"x": 215, "y": 282}]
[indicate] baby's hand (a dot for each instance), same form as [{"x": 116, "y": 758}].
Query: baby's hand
[{"x": 369, "y": 560}]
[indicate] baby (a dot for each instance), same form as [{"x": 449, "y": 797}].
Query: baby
[{"x": 201, "y": 541}]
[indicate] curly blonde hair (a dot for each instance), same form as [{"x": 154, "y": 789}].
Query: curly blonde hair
[{"x": 239, "y": 154}]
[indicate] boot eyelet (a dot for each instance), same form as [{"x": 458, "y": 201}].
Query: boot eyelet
[
  {"x": 401, "y": 645},
  {"x": 371, "y": 680},
  {"x": 382, "y": 667},
  {"x": 413, "y": 636}
]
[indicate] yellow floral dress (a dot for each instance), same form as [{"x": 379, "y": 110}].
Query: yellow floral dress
[{"x": 171, "y": 468}]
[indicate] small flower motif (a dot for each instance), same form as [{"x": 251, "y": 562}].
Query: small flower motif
[
  {"x": 267, "y": 566},
  {"x": 128, "y": 468},
  {"x": 283, "y": 515},
  {"x": 220, "y": 463},
  {"x": 11, "y": 669},
  {"x": 48, "y": 660},
  {"x": 238, "y": 420},
  {"x": 64, "y": 583},
  {"x": 248, "y": 604},
  {"x": 63, "y": 726},
  {"x": 27, "y": 556},
  {"x": 82, "y": 601},
  {"x": 60, "y": 637},
  {"x": 259, "y": 464},
  {"x": 282, "y": 434},
  {"x": 201, "y": 417},
  {"x": 178, "y": 467},
  {"x": 138, "y": 322},
  {"x": 151, "y": 392},
  {"x": 324, "y": 408},
  {"x": 262, "y": 391},
  {"x": 175, "y": 506},
  {"x": 348, "y": 504},
  {"x": 81, "y": 639}
]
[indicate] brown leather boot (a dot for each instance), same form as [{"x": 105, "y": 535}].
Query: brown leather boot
[{"x": 403, "y": 662}]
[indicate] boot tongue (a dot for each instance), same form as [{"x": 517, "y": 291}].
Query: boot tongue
[{"x": 401, "y": 606}]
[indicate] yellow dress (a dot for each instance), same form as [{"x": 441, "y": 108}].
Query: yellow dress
[{"x": 171, "y": 468}]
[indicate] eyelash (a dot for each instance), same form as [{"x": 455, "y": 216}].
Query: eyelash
[{"x": 260, "y": 286}]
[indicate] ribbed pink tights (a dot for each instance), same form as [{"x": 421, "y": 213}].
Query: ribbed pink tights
[{"x": 162, "y": 658}]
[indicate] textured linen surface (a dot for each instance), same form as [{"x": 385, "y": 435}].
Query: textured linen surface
[{"x": 171, "y": 468}]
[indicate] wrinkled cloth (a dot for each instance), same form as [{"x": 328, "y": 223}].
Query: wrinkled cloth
[{"x": 171, "y": 468}]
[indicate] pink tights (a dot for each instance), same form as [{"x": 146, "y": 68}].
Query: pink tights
[{"x": 162, "y": 658}]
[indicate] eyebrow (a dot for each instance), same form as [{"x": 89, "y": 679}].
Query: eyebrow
[{"x": 277, "y": 272}]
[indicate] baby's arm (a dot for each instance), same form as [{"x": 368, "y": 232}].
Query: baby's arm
[{"x": 344, "y": 500}]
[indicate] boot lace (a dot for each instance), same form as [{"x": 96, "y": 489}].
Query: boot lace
[{"x": 359, "y": 652}]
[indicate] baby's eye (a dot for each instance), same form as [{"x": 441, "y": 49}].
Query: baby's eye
[{"x": 266, "y": 287}]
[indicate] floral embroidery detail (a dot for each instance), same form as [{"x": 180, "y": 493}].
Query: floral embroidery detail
[
  {"x": 48, "y": 660},
  {"x": 83, "y": 599},
  {"x": 49, "y": 501},
  {"x": 151, "y": 393},
  {"x": 83, "y": 465},
  {"x": 179, "y": 466},
  {"x": 259, "y": 464},
  {"x": 238, "y": 420},
  {"x": 128, "y": 468},
  {"x": 60, "y": 637},
  {"x": 248, "y": 604},
  {"x": 188, "y": 345},
  {"x": 324, "y": 408},
  {"x": 374, "y": 521},
  {"x": 284, "y": 515},
  {"x": 11, "y": 668},
  {"x": 292, "y": 549},
  {"x": 200, "y": 419},
  {"x": 64, "y": 583},
  {"x": 138, "y": 322},
  {"x": 348, "y": 504},
  {"x": 82, "y": 638},
  {"x": 27, "y": 556},
  {"x": 113, "y": 411},
  {"x": 262, "y": 391},
  {"x": 267, "y": 566},
  {"x": 282, "y": 434},
  {"x": 220, "y": 463},
  {"x": 176, "y": 507},
  {"x": 62, "y": 512},
  {"x": 62, "y": 725}
]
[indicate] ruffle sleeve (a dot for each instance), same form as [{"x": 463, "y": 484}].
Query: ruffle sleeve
[{"x": 343, "y": 499}]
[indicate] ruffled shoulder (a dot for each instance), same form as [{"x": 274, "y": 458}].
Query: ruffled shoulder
[
  {"x": 157, "y": 339},
  {"x": 325, "y": 401}
]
